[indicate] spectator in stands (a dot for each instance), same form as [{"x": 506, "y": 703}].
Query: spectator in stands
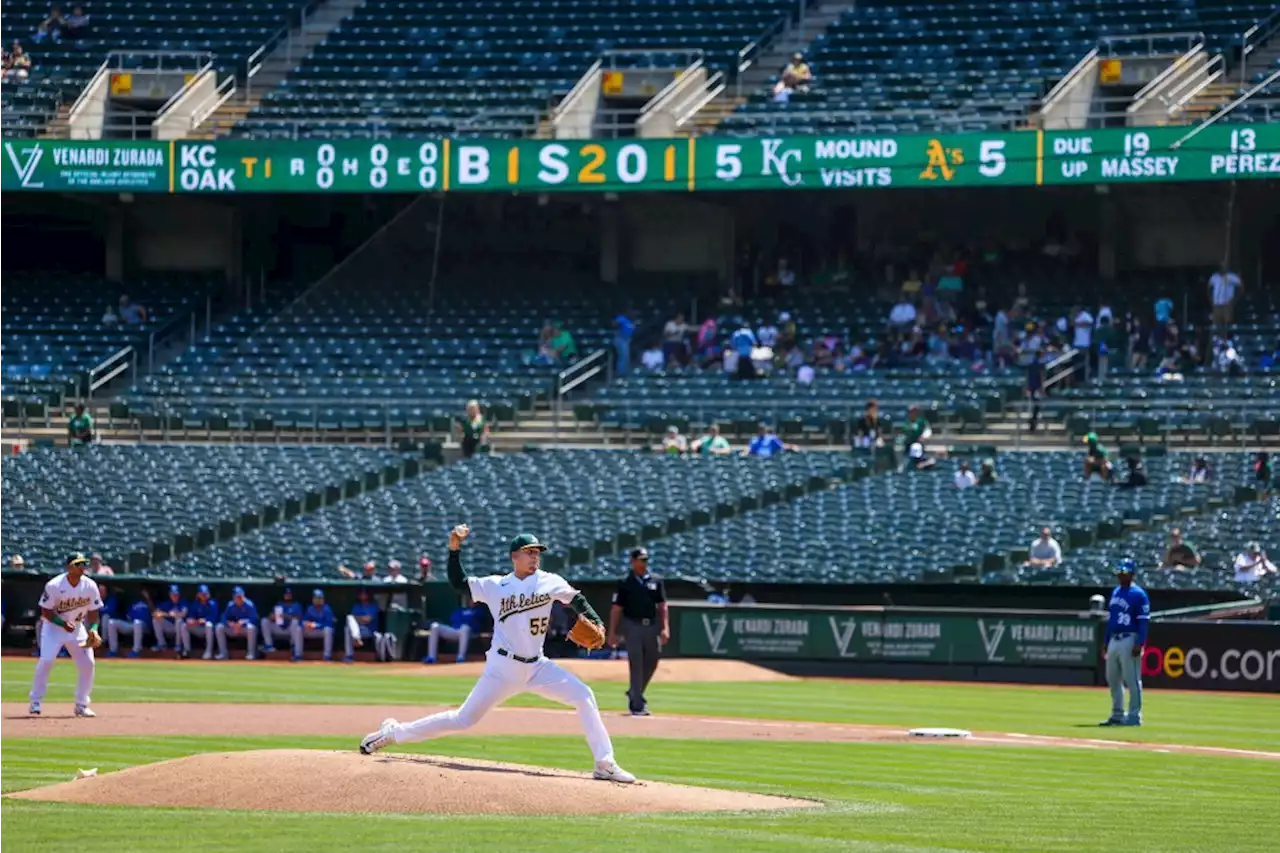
[
  {"x": 767, "y": 444},
  {"x": 564, "y": 348},
  {"x": 1045, "y": 552},
  {"x": 110, "y": 317},
  {"x": 743, "y": 343},
  {"x": 712, "y": 443},
  {"x": 1226, "y": 358},
  {"x": 918, "y": 459},
  {"x": 916, "y": 429},
  {"x": 1082, "y": 332},
  {"x": 1137, "y": 475},
  {"x": 784, "y": 277},
  {"x": 796, "y": 76},
  {"x": 17, "y": 563},
  {"x": 475, "y": 430},
  {"x": 1262, "y": 473},
  {"x": 1181, "y": 554},
  {"x": 674, "y": 350},
  {"x": 51, "y": 27},
  {"x": 1223, "y": 285},
  {"x": 394, "y": 577},
  {"x": 673, "y": 443},
  {"x": 369, "y": 573},
  {"x": 97, "y": 568},
  {"x": 1200, "y": 472},
  {"x": 903, "y": 315},
  {"x": 131, "y": 313},
  {"x": 624, "y": 330},
  {"x": 805, "y": 373},
  {"x": 1252, "y": 565},
  {"x": 704, "y": 347},
  {"x": 964, "y": 477},
  {"x": 987, "y": 473},
  {"x": 239, "y": 619},
  {"x": 767, "y": 334},
  {"x": 652, "y": 359},
  {"x": 17, "y": 64},
  {"x": 77, "y": 26},
  {"x": 1139, "y": 344},
  {"x": 202, "y": 617},
  {"x": 1108, "y": 344},
  {"x": 80, "y": 427},
  {"x": 424, "y": 568},
  {"x": 1096, "y": 458},
  {"x": 867, "y": 433},
  {"x": 317, "y": 622}
]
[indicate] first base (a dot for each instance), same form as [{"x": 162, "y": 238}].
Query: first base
[{"x": 932, "y": 732}]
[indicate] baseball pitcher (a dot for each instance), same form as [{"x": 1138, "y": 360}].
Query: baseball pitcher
[
  {"x": 521, "y": 607},
  {"x": 70, "y": 606}
]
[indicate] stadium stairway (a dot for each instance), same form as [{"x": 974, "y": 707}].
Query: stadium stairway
[{"x": 277, "y": 64}]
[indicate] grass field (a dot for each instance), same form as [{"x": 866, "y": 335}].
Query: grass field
[{"x": 879, "y": 796}]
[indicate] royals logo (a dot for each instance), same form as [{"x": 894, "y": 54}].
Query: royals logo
[{"x": 519, "y": 603}]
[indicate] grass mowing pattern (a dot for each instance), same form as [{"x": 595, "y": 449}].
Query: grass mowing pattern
[
  {"x": 893, "y": 797},
  {"x": 1244, "y": 721}
]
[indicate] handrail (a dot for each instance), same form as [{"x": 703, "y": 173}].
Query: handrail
[
  {"x": 1059, "y": 90},
  {"x": 1222, "y": 112},
  {"x": 652, "y": 103},
  {"x": 297, "y": 18},
  {"x": 711, "y": 91},
  {"x": 82, "y": 100},
  {"x": 1163, "y": 78},
  {"x": 582, "y": 370},
  {"x": 202, "y": 112},
  {"x": 111, "y": 367},
  {"x": 1182, "y": 98},
  {"x": 1150, "y": 38},
  {"x": 186, "y": 88},
  {"x": 575, "y": 92}
]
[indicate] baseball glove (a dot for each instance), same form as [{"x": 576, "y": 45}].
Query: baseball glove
[
  {"x": 93, "y": 640},
  {"x": 587, "y": 634}
]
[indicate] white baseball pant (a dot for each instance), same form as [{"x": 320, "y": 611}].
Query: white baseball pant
[
  {"x": 349, "y": 640},
  {"x": 503, "y": 678},
  {"x": 461, "y": 635},
  {"x": 317, "y": 633},
  {"x": 189, "y": 630},
  {"x": 387, "y": 646},
  {"x": 116, "y": 627},
  {"x": 249, "y": 632},
  {"x": 291, "y": 632},
  {"x": 52, "y": 640},
  {"x": 167, "y": 630}
]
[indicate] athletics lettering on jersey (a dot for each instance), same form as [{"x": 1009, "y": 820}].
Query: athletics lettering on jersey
[
  {"x": 521, "y": 608},
  {"x": 71, "y": 603}
]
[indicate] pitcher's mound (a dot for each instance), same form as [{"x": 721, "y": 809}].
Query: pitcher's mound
[{"x": 305, "y": 780}]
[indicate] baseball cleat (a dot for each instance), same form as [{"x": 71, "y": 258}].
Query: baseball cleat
[
  {"x": 295, "y": 658},
  {"x": 380, "y": 739},
  {"x": 220, "y": 657},
  {"x": 207, "y": 656},
  {"x": 1111, "y": 721},
  {"x": 84, "y": 711},
  {"x": 250, "y": 657},
  {"x": 460, "y": 659},
  {"x": 611, "y": 772},
  {"x": 112, "y": 654},
  {"x": 34, "y": 709},
  {"x": 135, "y": 654},
  {"x": 428, "y": 659},
  {"x": 348, "y": 659},
  {"x": 642, "y": 712},
  {"x": 266, "y": 650}
]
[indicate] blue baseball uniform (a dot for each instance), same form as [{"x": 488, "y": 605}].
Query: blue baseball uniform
[
  {"x": 1128, "y": 616},
  {"x": 364, "y": 620},
  {"x": 464, "y": 623},
  {"x": 288, "y": 627},
  {"x": 202, "y": 618},
  {"x": 237, "y": 619},
  {"x": 166, "y": 622},
  {"x": 322, "y": 616},
  {"x": 134, "y": 623}
]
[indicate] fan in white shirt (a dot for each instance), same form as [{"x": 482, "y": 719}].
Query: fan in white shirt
[
  {"x": 965, "y": 478},
  {"x": 69, "y": 605},
  {"x": 1252, "y": 564}
]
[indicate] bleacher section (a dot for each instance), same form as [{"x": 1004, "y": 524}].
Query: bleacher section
[
  {"x": 584, "y": 503},
  {"x": 890, "y": 66},
  {"x": 462, "y": 67},
  {"x": 144, "y": 498},
  {"x": 54, "y": 334},
  {"x": 61, "y": 70}
]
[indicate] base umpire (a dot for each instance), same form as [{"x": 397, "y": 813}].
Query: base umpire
[{"x": 640, "y": 605}]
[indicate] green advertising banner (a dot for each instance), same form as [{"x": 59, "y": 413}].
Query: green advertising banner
[
  {"x": 101, "y": 166},
  {"x": 878, "y": 635},
  {"x": 1020, "y": 158}
]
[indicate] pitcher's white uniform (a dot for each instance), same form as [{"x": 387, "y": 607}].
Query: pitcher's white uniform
[
  {"x": 71, "y": 603},
  {"x": 521, "y": 616}
]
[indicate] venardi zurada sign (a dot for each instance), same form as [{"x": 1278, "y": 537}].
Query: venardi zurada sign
[
  {"x": 880, "y": 634},
  {"x": 711, "y": 163}
]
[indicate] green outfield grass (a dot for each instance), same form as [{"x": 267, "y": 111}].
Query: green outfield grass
[
  {"x": 907, "y": 798},
  {"x": 1246, "y": 721}
]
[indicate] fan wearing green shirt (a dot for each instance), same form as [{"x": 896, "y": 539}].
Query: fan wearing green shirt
[
  {"x": 564, "y": 346},
  {"x": 712, "y": 444},
  {"x": 917, "y": 428},
  {"x": 80, "y": 427},
  {"x": 1096, "y": 459}
]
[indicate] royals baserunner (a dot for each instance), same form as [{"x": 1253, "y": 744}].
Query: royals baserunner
[{"x": 521, "y": 607}]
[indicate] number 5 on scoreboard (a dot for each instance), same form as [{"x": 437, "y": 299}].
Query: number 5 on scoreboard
[{"x": 991, "y": 158}]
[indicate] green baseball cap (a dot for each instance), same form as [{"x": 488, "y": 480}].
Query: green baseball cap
[{"x": 526, "y": 541}]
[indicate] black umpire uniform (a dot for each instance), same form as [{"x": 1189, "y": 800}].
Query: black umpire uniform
[{"x": 640, "y": 602}]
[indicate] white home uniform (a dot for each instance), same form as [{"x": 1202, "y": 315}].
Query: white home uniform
[
  {"x": 71, "y": 603},
  {"x": 515, "y": 664}
]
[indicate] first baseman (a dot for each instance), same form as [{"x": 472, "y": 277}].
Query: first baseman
[
  {"x": 70, "y": 606},
  {"x": 521, "y": 606},
  {"x": 1128, "y": 614}
]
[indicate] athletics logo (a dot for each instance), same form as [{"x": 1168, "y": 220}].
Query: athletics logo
[
  {"x": 715, "y": 629},
  {"x": 25, "y": 164},
  {"x": 941, "y": 161},
  {"x": 843, "y": 634},
  {"x": 991, "y": 640}
]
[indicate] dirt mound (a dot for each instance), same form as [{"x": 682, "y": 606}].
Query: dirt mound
[{"x": 306, "y": 780}]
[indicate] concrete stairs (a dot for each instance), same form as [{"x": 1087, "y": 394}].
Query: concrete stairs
[
  {"x": 276, "y": 66},
  {"x": 1218, "y": 94},
  {"x": 767, "y": 64},
  {"x": 59, "y": 127}
]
